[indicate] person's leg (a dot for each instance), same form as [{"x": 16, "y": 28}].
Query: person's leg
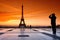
[{"x": 53, "y": 30}]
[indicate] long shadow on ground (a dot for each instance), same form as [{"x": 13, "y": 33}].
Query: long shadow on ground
[{"x": 53, "y": 36}]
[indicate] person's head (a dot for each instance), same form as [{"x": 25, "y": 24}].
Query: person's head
[{"x": 53, "y": 14}]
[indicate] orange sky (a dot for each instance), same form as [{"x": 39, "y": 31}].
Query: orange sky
[{"x": 36, "y": 12}]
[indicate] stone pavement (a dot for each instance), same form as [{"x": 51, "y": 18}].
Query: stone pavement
[{"x": 28, "y": 34}]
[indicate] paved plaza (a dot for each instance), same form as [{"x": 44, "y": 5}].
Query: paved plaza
[{"x": 28, "y": 34}]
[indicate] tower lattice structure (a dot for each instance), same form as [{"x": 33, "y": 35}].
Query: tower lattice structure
[{"x": 22, "y": 22}]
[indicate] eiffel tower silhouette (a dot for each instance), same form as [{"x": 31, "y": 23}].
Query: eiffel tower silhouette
[{"x": 22, "y": 22}]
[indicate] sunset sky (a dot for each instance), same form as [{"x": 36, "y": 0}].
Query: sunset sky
[{"x": 36, "y": 12}]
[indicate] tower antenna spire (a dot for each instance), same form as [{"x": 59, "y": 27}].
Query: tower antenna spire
[{"x": 22, "y": 11}]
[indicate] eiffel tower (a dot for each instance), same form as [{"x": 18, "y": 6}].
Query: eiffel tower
[{"x": 22, "y": 22}]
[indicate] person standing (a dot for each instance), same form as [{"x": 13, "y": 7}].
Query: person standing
[{"x": 53, "y": 22}]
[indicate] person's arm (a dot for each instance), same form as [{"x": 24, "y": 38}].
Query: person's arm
[{"x": 50, "y": 16}]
